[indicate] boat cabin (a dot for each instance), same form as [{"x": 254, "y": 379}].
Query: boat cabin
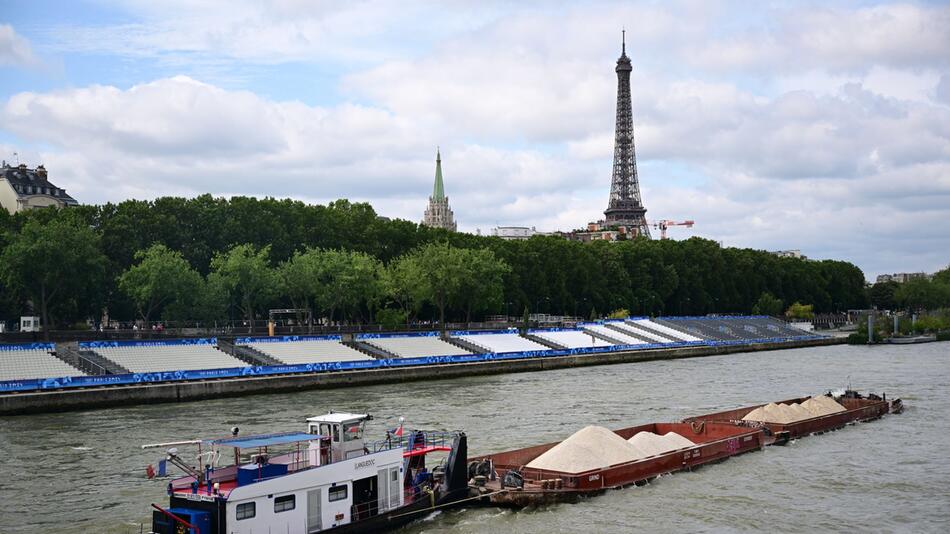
[
  {"x": 342, "y": 432},
  {"x": 297, "y": 482}
]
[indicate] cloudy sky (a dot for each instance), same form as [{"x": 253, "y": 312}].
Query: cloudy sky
[{"x": 814, "y": 126}]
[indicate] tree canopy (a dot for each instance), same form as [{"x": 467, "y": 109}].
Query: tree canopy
[
  {"x": 57, "y": 265},
  {"x": 346, "y": 263}
]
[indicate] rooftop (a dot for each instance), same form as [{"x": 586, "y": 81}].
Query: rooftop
[{"x": 26, "y": 182}]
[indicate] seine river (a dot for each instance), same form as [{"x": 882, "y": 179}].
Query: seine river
[{"x": 85, "y": 471}]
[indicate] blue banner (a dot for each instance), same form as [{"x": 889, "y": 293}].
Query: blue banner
[
  {"x": 284, "y": 339},
  {"x": 427, "y": 333},
  {"x": 481, "y": 332},
  {"x": 147, "y": 343},
  {"x": 28, "y": 346}
]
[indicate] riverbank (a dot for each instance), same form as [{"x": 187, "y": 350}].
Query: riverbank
[{"x": 126, "y": 395}]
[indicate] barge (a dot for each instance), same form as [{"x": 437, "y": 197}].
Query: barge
[
  {"x": 327, "y": 479},
  {"x": 858, "y": 408},
  {"x": 504, "y": 478}
]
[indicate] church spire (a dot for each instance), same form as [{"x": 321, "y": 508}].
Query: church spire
[
  {"x": 439, "y": 214},
  {"x": 438, "y": 190}
]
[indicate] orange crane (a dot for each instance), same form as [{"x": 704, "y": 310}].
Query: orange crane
[{"x": 664, "y": 224}]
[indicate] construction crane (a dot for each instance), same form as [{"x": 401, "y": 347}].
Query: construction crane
[{"x": 664, "y": 224}]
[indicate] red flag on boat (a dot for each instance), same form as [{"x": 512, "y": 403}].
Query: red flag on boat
[{"x": 398, "y": 431}]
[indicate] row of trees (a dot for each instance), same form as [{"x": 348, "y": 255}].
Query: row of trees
[
  {"x": 213, "y": 259},
  {"x": 913, "y": 295}
]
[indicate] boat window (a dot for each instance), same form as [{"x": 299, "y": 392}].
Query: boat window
[
  {"x": 337, "y": 493},
  {"x": 325, "y": 430},
  {"x": 284, "y": 503},
  {"x": 352, "y": 431},
  {"x": 336, "y": 433},
  {"x": 246, "y": 510}
]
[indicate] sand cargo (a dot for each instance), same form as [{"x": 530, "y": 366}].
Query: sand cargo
[
  {"x": 854, "y": 408},
  {"x": 518, "y": 478}
]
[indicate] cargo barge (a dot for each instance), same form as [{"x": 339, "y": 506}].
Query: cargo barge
[
  {"x": 505, "y": 480},
  {"x": 858, "y": 408}
]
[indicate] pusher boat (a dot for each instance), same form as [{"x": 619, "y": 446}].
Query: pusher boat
[{"x": 327, "y": 479}]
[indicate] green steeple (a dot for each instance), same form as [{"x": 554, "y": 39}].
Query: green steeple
[{"x": 438, "y": 190}]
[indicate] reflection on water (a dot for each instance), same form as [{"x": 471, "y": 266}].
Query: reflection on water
[{"x": 85, "y": 470}]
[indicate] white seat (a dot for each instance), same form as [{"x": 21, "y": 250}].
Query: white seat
[
  {"x": 309, "y": 351},
  {"x": 172, "y": 357},
  {"x": 613, "y": 334},
  {"x": 33, "y": 364},
  {"x": 665, "y": 330},
  {"x": 499, "y": 343},
  {"x": 413, "y": 347},
  {"x": 572, "y": 339}
]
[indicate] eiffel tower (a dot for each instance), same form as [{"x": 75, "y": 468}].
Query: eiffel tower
[{"x": 625, "y": 207}]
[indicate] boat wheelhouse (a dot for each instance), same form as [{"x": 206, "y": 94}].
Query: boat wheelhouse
[{"x": 328, "y": 479}]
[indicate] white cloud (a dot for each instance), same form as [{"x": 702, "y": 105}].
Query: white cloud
[
  {"x": 826, "y": 130},
  {"x": 15, "y": 50}
]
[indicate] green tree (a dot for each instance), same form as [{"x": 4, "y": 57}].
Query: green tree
[
  {"x": 301, "y": 280},
  {"x": 922, "y": 294},
  {"x": 162, "y": 277},
  {"x": 399, "y": 280},
  {"x": 481, "y": 282},
  {"x": 442, "y": 269},
  {"x": 942, "y": 277},
  {"x": 882, "y": 295},
  {"x": 57, "y": 265},
  {"x": 767, "y": 304},
  {"x": 800, "y": 311},
  {"x": 351, "y": 281},
  {"x": 245, "y": 274}
]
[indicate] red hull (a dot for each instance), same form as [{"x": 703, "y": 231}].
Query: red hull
[
  {"x": 715, "y": 442},
  {"x": 857, "y": 410}
]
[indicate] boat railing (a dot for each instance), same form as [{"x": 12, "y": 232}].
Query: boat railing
[
  {"x": 419, "y": 439},
  {"x": 364, "y": 510}
]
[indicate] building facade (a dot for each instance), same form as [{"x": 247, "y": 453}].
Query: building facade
[
  {"x": 901, "y": 278},
  {"x": 438, "y": 214},
  {"x": 22, "y": 188},
  {"x": 514, "y": 233}
]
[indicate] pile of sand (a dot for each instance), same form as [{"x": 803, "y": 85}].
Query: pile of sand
[
  {"x": 595, "y": 447},
  {"x": 592, "y": 447},
  {"x": 650, "y": 444},
  {"x": 822, "y": 405},
  {"x": 792, "y": 413}
]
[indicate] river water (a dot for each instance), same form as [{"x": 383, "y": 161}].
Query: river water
[{"x": 85, "y": 472}]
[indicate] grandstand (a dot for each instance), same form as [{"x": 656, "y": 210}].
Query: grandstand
[
  {"x": 663, "y": 330},
  {"x": 499, "y": 342},
  {"x": 734, "y": 328},
  {"x": 292, "y": 351},
  {"x": 616, "y": 335},
  {"x": 159, "y": 356},
  {"x": 414, "y": 346},
  {"x": 572, "y": 339},
  {"x": 26, "y": 362},
  {"x": 637, "y": 331}
]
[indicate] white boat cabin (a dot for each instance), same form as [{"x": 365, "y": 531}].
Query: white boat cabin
[{"x": 328, "y": 479}]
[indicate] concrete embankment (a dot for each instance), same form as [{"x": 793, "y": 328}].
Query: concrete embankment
[{"x": 99, "y": 397}]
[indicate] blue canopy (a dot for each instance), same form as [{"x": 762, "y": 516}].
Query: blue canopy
[{"x": 265, "y": 440}]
